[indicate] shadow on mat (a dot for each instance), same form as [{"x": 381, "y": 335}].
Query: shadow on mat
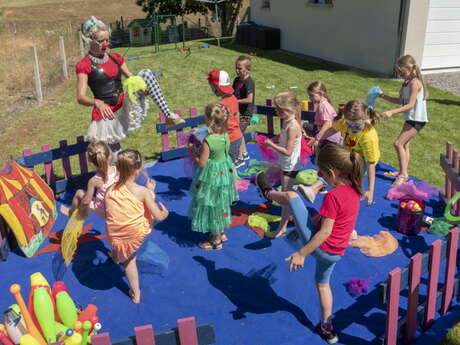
[
  {"x": 177, "y": 228},
  {"x": 177, "y": 187},
  {"x": 93, "y": 268},
  {"x": 368, "y": 312},
  {"x": 251, "y": 293}
]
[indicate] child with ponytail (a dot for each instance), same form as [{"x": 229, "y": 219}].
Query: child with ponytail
[
  {"x": 359, "y": 135},
  {"x": 99, "y": 155},
  {"x": 412, "y": 97},
  {"x": 342, "y": 169},
  {"x": 131, "y": 210}
]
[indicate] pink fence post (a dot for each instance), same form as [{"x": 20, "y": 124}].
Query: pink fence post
[
  {"x": 270, "y": 126},
  {"x": 164, "y": 135},
  {"x": 49, "y": 173},
  {"x": 391, "y": 326},
  {"x": 180, "y": 136},
  {"x": 433, "y": 277},
  {"x": 101, "y": 339},
  {"x": 65, "y": 161},
  {"x": 450, "y": 270},
  {"x": 144, "y": 335},
  {"x": 414, "y": 284},
  {"x": 193, "y": 111},
  {"x": 82, "y": 157},
  {"x": 27, "y": 152},
  {"x": 187, "y": 331},
  {"x": 455, "y": 164},
  {"x": 449, "y": 153}
]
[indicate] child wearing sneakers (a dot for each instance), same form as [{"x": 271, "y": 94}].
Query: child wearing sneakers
[
  {"x": 220, "y": 85},
  {"x": 245, "y": 93},
  {"x": 342, "y": 169}
]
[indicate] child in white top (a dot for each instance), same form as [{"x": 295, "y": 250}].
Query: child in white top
[
  {"x": 289, "y": 147},
  {"x": 412, "y": 96}
]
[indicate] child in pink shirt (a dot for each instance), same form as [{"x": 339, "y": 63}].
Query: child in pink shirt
[{"x": 324, "y": 117}]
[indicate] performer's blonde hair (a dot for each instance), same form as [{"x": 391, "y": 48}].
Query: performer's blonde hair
[{"x": 90, "y": 29}]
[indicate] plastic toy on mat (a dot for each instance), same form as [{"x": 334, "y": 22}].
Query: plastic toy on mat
[
  {"x": 70, "y": 236},
  {"x": 378, "y": 245},
  {"x": 410, "y": 216}
]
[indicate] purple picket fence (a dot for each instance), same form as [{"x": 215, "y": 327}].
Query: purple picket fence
[
  {"x": 438, "y": 298},
  {"x": 176, "y": 133}
]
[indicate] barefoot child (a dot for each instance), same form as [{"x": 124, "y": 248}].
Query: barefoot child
[
  {"x": 342, "y": 169},
  {"x": 412, "y": 96},
  {"x": 288, "y": 109},
  {"x": 130, "y": 212},
  {"x": 213, "y": 188},
  {"x": 100, "y": 155}
]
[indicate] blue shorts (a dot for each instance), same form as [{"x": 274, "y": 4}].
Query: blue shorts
[{"x": 325, "y": 261}]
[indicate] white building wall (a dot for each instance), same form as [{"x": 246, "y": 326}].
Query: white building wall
[{"x": 358, "y": 33}]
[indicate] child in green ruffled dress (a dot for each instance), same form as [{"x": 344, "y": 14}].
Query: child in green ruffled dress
[{"x": 213, "y": 188}]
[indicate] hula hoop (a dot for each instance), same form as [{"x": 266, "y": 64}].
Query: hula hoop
[{"x": 447, "y": 214}]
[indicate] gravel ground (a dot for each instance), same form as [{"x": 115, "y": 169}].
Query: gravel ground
[{"x": 445, "y": 81}]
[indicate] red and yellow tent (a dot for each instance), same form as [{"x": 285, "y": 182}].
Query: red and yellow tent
[{"x": 27, "y": 204}]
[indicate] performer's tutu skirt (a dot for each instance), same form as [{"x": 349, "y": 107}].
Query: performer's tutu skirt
[{"x": 128, "y": 118}]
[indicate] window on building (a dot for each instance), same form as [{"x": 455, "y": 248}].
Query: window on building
[
  {"x": 266, "y": 4},
  {"x": 320, "y": 2}
]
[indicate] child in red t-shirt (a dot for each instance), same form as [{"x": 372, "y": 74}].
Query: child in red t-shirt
[
  {"x": 343, "y": 170},
  {"x": 221, "y": 86}
]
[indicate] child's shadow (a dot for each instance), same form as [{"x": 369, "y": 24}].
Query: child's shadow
[
  {"x": 177, "y": 228},
  {"x": 175, "y": 188},
  {"x": 95, "y": 269},
  {"x": 251, "y": 293}
]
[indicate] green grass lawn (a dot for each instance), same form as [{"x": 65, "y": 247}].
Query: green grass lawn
[{"x": 184, "y": 84}]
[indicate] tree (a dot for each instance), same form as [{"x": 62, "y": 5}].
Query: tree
[{"x": 228, "y": 10}]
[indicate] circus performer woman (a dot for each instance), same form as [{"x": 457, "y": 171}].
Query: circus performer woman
[{"x": 113, "y": 114}]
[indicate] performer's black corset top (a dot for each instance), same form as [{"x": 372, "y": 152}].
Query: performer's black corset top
[{"x": 103, "y": 87}]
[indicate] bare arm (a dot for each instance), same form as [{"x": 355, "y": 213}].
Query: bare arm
[
  {"x": 293, "y": 133},
  {"x": 326, "y": 125},
  {"x": 204, "y": 155},
  {"x": 414, "y": 89},
  {"x": 83, "y": 99},
  {"x": 157, "y": 210},
  {"x": 371, "y": 176},
  {"x": 125, "y": 70},
  {"x": 297, "y": 259},
  {"x": 327, "y": 133},
  {"x": 395, "y": 100},
  {"x": 248, "y": 100}
]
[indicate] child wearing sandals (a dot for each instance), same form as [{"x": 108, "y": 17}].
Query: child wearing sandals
[
  {"x": 213, "y": 188},
  {"x": 99, "y": 155},
  {"x": 412, "y": 96},
  {"x": 359, "y": 135},
  {"x": 289, "y": 149},
  {"x": 131, "y": 210},
  {"x": 342, "y": 169}
]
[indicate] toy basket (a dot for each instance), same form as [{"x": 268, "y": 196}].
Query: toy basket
[{"x": 410, "y": 216}]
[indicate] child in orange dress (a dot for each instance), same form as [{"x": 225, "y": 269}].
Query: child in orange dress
[{"x": 131, "y": 210}]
